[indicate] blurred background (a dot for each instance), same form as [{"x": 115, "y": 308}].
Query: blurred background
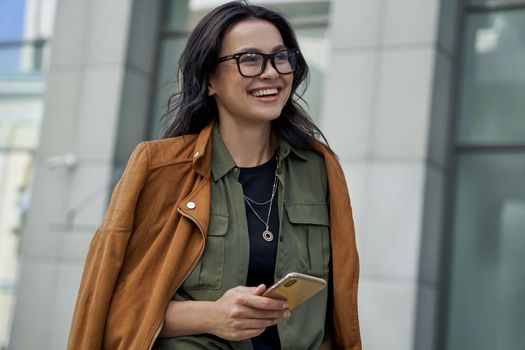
[{"x": 423, "y": 100}]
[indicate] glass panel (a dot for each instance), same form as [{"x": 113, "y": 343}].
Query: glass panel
[
  {"x": 9, "y": 60},
  {"x": 15, "y": 169},
  {"x": 299, "y": 12},
  {"x": 175, "y": 15},
  {"x": 170, "y": 50},
  {"x": 493, "y": 82},
  {"x": 488, "y": 280},
  {"x": 314, "y": 45},
  {"x": 184, "y": 15},
  {"x": 20, "y": 122},
  {"x": 11, "y": 19}
]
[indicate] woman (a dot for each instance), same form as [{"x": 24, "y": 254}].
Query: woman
[{"x": 238, "y": 194}]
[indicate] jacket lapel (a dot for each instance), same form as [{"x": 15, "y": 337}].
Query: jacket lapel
[{"x": 196, "y": 206}]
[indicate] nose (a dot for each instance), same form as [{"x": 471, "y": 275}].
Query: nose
[{"x": 269, "y": 71}]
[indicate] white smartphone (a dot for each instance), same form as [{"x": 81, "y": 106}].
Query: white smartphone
[{"x": 295, "y": 288}]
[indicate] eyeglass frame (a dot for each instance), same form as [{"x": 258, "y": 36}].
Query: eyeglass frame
[{"x": 266, "y": 57}]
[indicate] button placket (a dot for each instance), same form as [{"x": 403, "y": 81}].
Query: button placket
[{"x": 281, "y": 262}]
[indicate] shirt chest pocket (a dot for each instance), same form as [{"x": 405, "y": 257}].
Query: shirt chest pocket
[
  {"x": 208, "y": 272},
  {"x": 309, "y": 228}
]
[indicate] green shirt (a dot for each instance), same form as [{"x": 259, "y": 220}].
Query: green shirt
[{"x": 303, "y": 246}]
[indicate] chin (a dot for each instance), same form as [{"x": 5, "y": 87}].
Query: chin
[{"x": 270, "y": 115}]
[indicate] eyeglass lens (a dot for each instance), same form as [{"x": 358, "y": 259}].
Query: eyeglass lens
[{"x": 251, "y": 64}]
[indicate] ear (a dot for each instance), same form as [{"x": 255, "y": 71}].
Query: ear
[{"x": 211, "y": 86}]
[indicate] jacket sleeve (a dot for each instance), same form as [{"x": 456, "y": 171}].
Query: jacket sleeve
[
  {"x": 345, "y": 262},
  {"x": 105, "y": 256}
]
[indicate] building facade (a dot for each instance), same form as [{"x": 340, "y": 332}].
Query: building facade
[
  {"x": 25, "y": 32},
  {"x": 422, "y": 101}
]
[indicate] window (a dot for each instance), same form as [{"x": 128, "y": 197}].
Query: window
[
  {"x": 487, "y": 281},
  {"x": 25, "y": 31}
]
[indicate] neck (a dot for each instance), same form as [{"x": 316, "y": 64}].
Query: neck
[{"x": 249, "y": 144}]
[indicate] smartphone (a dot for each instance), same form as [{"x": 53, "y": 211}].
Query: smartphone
[{"x": 295, "y": 288}]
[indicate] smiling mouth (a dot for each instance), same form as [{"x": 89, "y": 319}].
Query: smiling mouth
[{"x": 264, "y": 92}]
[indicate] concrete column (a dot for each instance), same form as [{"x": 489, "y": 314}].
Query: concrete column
[
  {"x": 96, "y": 108},
  {"x": 387, "y": 113}
]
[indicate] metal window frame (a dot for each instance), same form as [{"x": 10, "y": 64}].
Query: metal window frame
[
  {"x": 38, "y": 45},
  {"x": 20, "y": 43},
  {"x": 493, "y": 7}
]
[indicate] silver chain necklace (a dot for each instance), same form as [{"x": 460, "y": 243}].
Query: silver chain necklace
[{"x": 267, "y": 234}]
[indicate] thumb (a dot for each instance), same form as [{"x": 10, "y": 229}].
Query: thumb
[{"x": 260, "y": 289}]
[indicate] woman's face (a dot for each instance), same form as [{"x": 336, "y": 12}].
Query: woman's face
[{"x": 250, "y": 100}]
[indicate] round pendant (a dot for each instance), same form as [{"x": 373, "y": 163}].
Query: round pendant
[{"x": 268, "y": 236}]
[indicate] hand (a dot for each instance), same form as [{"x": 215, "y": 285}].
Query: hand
[{"x": 242, "y": 313}]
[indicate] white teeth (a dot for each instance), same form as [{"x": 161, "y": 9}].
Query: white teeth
[{"x": 265, "y": 92}]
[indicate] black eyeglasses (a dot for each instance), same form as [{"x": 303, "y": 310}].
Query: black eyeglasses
[{"x": 252, "y": 64}]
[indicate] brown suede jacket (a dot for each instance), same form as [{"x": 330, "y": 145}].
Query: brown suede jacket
[{"x": 150, "y": 240}]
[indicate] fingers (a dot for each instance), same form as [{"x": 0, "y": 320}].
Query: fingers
[
  {"x": 252, "y": 323},
  {"x": 242, "y": 312},
  {"x": 251, "y": 297},
  {"x": 263, "y": 314},
  {"x": 250, "y": 290},
  {"x": 249, "y": 328},
  {"x": 264, "y": 303}
]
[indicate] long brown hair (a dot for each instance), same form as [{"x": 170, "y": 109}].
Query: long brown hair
[{"x": 194, "y": 109}]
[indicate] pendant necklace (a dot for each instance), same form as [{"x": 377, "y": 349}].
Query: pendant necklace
[{"x": 267, "y": 234}]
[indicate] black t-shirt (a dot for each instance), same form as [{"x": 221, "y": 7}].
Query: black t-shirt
[{"x": 257, "y": 183}]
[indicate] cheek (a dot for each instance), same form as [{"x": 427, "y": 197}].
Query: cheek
[
  {"x": 289, "y": 89},
  {"x": 289, "y": 81}
]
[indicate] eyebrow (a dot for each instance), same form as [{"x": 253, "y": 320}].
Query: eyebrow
[{"x": 253, "y": 49}]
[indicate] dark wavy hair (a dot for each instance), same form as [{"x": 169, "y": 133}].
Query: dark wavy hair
[{"x": 193, "y": 109}]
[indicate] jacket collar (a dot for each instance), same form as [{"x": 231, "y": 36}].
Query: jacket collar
[
  {"x": 202, "y": 151},
  {"x": 285, "y": 149},
  {"x": 222, "y": 161}
]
